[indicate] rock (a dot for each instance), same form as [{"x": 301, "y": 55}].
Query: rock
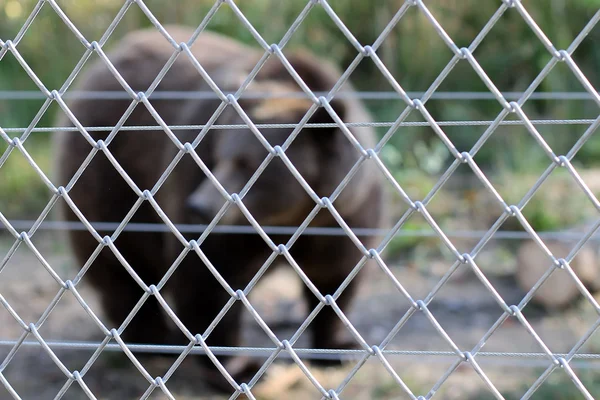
[{"x": 559, "y": 290}]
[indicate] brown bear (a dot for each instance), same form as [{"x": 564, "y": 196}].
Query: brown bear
[{"x": 323, "y": 156}]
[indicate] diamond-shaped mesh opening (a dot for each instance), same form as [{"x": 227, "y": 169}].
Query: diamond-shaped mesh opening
[
  {"x": 522, "y": 47},
  {"x": 18, "y": 169},
  {"x": 48, "y": 18},
  {"x": 24, "y": 357},
  {"x": 260, "y": 148},
  {"x": 413, "y": 22}
]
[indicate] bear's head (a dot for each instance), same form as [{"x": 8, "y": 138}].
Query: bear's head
[{"x": 276, "y": 197}]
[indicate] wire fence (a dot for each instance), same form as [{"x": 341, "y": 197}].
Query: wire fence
[{"x": 512, "y": 105}]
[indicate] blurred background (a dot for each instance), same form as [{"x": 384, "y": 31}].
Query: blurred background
[{"x": 511, "y": 55}]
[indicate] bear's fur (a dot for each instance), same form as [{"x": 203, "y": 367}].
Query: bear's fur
[{"x": 323, "y": 156}]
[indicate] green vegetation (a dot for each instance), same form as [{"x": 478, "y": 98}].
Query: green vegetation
[{"x": 21, "y": 189}]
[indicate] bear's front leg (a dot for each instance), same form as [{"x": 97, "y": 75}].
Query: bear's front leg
[
  {"x": 327, "y": 261},
  {"x": 199, "y": 298}
]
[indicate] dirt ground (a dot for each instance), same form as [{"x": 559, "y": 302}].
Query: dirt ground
[{"x": 464, "y": 309}]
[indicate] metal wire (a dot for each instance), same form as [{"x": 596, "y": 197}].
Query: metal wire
[
  {"x": 25, "y": 225},
  {"x": 511, "y": 103},
  {"x": 308, "y": 125},
  {"x": 363, "y": 95},
  {"x": 307, "y": 353}
]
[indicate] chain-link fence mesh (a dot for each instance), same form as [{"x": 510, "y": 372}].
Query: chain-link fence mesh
[{"x": 146, "y": 195}]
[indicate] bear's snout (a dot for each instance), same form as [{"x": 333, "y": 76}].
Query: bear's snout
[
  {"x": 200, "y": 209},
  {"x": 206, "y": 202}
]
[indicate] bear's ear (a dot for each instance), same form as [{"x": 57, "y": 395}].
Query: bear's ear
[
  {"x": 322, "y": 115},
  {"x": 326, "y": 137},
  {"x": 318, "y": 74}
]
